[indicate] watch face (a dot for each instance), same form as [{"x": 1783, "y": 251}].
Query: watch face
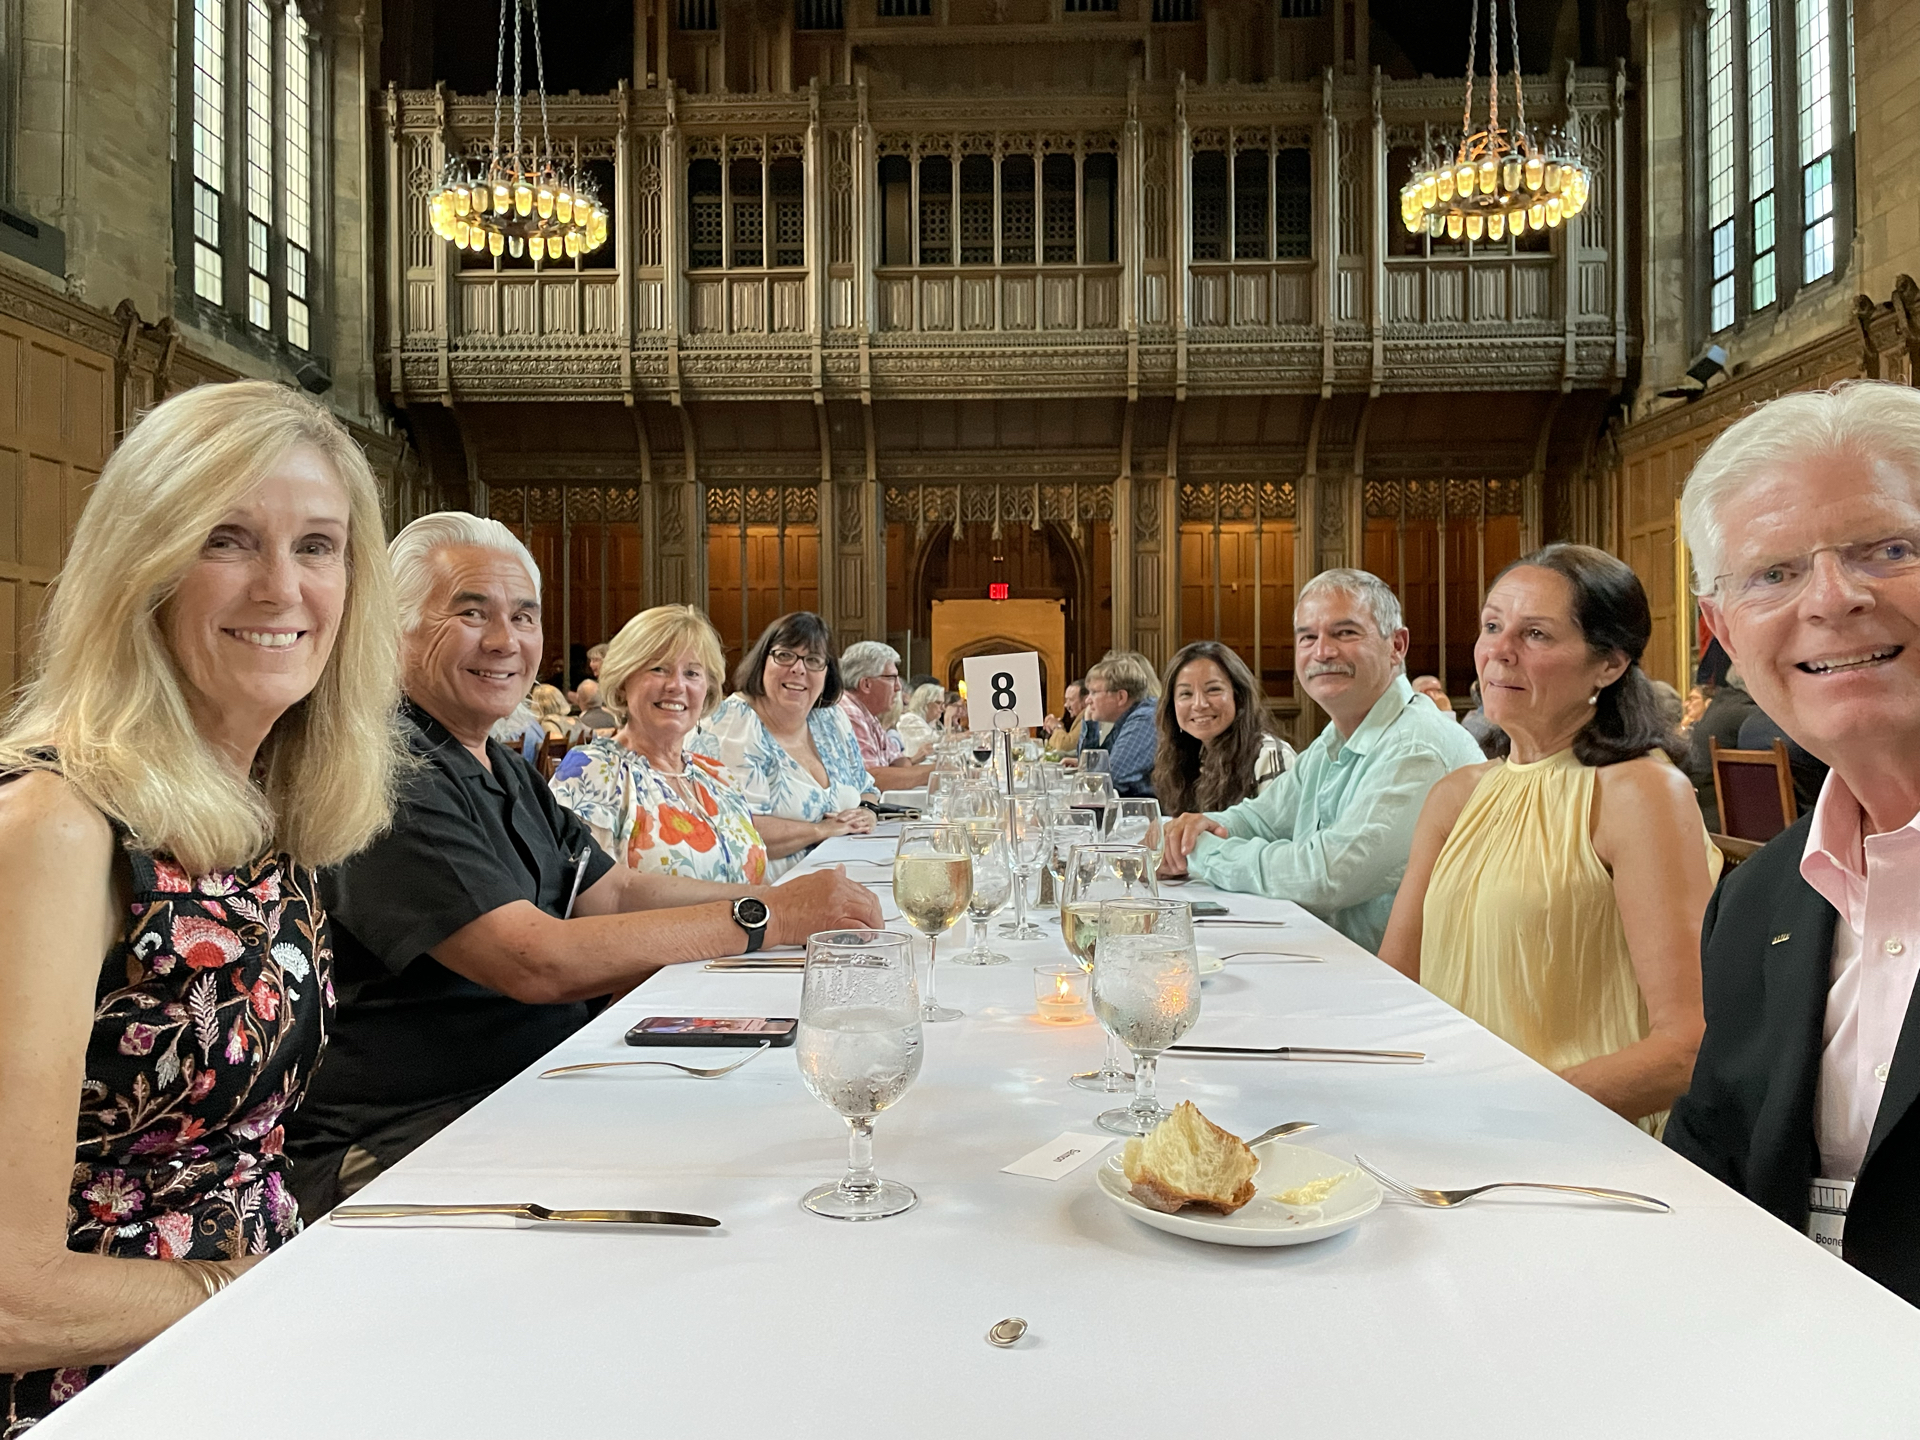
[{"x": 750, "y": 912}]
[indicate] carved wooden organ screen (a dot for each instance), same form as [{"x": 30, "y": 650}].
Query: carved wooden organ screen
[
  {"x": 1438, "y": 543},
  {"x": 763, "y": 558},
  {"x": 1236, "y": 572},
  {"x": 586, "y": 541}
]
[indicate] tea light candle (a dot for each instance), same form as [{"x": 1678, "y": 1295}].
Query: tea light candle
[{"x": 1060, "y": 994}]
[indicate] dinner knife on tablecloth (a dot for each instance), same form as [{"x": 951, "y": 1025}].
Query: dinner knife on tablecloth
[
  {"x": 507, "y": 1217},
  {"x": 1307, "y": 1052}
]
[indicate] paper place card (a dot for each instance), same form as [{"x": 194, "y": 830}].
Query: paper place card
[{"x": 1059, "y": 1157}]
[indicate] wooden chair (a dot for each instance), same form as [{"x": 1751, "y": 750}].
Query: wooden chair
[
  {"x": 1734, "y": 851},
  {"x": 1755, "y": 790},
  {"x": 552, "y": 751}
]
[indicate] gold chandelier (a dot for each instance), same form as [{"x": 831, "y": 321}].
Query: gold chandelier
[
  {"x": 1496, "y": 180},
  {"x": 521, "y": 197}
]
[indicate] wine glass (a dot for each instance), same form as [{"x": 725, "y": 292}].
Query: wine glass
[
  {"x": 946, "y": 778},
  {"x": 1146, "y": 993},
  {"x": 1092, "y": 791},
  {"x": 1136, "y": 821},
  {"x": 932, "y": 882},
  {"x": 858, "y": 1044},
  {"x": 1066, "y": 828},
  {"x": 992, "y": 887},
  {"x": 1096, "y": 874},
  {"x": 1027, "y": 842}
]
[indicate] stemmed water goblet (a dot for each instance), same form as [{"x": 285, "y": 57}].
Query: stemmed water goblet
[
  {"x": 1092, "y": 791},
  {"x": 992, "y": 887},
  {"x": 947, "y": 777},
  {"x": 1027, "y": 839},
  {"x": 1136, "y": 821},
  {"x": 858, "y": 1044},
  {"x": 932, "y": 882},
  {"x": 1066, "y": 828},
  {"x": 1096, "y": 874},
  {"x": 1146, "y": 994}
]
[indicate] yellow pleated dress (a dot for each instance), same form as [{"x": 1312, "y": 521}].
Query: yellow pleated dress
[{"x": 1520, "y": 930}]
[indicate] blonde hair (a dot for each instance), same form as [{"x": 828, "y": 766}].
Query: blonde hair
[
  {"x": 654, "y": 635},
  {"x": 547, "y": 702},
  {"x": 1127, "y": 670},
  {"x": 106, "y": 695},
  {"x": 1872, "y": 420}
]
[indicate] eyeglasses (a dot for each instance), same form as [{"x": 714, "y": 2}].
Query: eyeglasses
[
  {"x": 787, "y": 659},
  {"x": 1775, "y": 583}
]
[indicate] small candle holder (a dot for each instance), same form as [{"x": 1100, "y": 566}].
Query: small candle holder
[{"x": 1060, "y": 994}]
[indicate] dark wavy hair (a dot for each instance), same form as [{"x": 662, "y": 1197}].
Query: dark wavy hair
[
  {"x": 801, "y": 631},
  {"x": 1611, "y": 610},
  {"x": 1189, "y": 775}
]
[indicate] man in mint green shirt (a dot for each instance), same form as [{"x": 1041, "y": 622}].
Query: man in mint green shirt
[{"x": 1332, "y": 834}]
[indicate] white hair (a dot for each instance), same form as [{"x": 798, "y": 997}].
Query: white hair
[
  {"x": 1871, "y": 420},
  {"x": 411, "y": 553},
  {"x": 864, "y": 659},
  {"x": 1364, "y": 586}
]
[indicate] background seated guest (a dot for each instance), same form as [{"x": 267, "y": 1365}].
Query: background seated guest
[
  {"x": 1804, "y": 523},
  {"x": 1332, "y": 833},
  {"x": 786, "y": 744},
  {"x": 1120, "y": 695},
  {"x": 919, "y": 723},
  {"x": 1216, "y": 745},
  {"x": 1555, "y": 896},
  {"x": 594, "y": 715},
  {"x": 457, "y": 964},
  {"x": 1672, "y": 709},
  {"x": 522, "y": 731},
  {"x": 870, "y": 688},
  {"x": 650, "y": 804},
  {"x": 211, "y": 718},
  {"x": 550, "y": 709},
  {"x": 1430, "y": 686},
  {"x": 1063, "y": 730},
  {"x": 1728, "y": 707},
  {"x": 1484, "y": 732}
]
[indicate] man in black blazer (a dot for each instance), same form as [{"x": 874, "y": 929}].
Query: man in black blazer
[{"x": 1804, "y": 522}]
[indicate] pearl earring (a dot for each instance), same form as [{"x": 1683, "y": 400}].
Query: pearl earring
[{"x": 1594, "y": 698}]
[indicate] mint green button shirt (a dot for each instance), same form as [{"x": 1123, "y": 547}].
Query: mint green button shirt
[{"x": 1333, "y": 833}]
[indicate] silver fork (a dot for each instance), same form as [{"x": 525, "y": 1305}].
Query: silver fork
[
  {"x": 670, "y": 1064},
  {"x": 1444, "y": 1199}
]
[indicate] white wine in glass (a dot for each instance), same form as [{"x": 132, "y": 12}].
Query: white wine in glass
[
  {"x": 932, "y": 883},
  {"x": 859, "y": 1046}
]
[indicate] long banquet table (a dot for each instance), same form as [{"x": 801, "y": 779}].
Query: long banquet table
[{"x": 1521, "y": 1316}]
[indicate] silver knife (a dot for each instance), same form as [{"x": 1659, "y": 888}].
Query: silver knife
[
  {"x": 507, "y": 1217},
  {"x": 1308, "y": 1052}
]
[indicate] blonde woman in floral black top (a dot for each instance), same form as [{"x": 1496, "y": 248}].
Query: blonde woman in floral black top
[{"x": 211, "y": 719}]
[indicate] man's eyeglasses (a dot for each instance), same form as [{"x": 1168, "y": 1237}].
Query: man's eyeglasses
[
  {"x": 786, "y": 659},
  {"x": 1767, "y": 586}
]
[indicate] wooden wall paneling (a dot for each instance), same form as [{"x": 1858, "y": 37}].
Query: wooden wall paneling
[{"x": 57, "y": 401}]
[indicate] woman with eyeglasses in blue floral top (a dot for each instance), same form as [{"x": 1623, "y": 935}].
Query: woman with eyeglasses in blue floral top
[{"x": 785, "y": 744}]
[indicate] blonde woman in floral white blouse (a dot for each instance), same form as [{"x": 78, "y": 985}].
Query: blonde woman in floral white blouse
[{"x": 652, "y": 804}]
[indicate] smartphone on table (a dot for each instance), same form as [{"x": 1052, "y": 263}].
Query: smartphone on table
[
  {"x": 712, "y": 1030},
  {"x": 1208, "y": 909}
]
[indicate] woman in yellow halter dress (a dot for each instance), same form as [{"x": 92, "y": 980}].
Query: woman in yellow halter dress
[{"x": 1555, "y": 895}]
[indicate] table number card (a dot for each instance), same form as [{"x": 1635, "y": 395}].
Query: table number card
[{"x": 1003, "y": 691}]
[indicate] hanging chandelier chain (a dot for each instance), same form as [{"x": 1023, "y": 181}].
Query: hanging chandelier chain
[
  {"x": 518, "y": 85},
  {"x": 1493, "y": 73},
  {"x": 499, "y": 83},
  {"x": 540, "y": 77},
  {"x": 1519, "y": 91},
  {"x": 1466, "y": 110}
]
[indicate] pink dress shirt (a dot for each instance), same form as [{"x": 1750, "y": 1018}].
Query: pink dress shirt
[
  {"x": 1873, "y": 881},
  {"x": 877, "y": 748}
]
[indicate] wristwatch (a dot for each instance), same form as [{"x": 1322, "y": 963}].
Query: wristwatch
[{"x": 751, "y": 915}]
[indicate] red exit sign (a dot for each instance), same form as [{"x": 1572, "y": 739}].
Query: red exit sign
[{"x": 997, "y": 591}]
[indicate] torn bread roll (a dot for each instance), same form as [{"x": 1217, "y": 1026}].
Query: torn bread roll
[{"x": 1190, "y": 1161}]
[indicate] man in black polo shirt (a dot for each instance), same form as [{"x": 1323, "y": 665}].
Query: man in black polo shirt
[{"x": 455, "y": 960}]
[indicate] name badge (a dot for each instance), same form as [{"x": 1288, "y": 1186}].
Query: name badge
[{"x": 1827, "y": 1202}]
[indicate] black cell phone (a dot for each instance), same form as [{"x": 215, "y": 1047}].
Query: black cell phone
[
  {"x": 1209, "y": 907},
  {"x": 710, "y": 1030}
]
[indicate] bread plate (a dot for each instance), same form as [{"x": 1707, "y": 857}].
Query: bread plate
[{"x": 1263, "y": 1220}]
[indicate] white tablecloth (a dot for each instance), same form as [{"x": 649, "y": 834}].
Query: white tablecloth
[{"x": 1511, "y": 1317}]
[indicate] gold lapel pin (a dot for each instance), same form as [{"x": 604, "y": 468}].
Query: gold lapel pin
[{"x": 1783, "y": 935}]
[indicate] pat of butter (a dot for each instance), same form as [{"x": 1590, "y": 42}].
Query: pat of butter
[{"x": 1314, "y": 1192}]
